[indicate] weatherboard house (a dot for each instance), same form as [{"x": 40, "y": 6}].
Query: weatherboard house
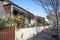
[{"x": 11, "y": 9}]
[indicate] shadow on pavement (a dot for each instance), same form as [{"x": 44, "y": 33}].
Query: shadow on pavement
[{"x": 47, "y": 34}]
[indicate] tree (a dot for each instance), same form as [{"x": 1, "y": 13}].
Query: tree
[
  {"x": 52, "y": 17},
  {"x": 40, "y": 20},
  {"x": 48, "y": 5},
  {"x": 46, "y": 23}
]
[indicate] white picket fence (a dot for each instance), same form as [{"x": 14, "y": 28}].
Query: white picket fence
[{"x": 26, "y": 33}]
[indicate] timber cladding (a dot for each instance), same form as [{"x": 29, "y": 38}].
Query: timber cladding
[{"x": 8, "y": 34}]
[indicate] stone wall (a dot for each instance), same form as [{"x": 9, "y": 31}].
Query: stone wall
[
  {"x": 7, "y": 9},
  {"x": 2, "y": 11}
]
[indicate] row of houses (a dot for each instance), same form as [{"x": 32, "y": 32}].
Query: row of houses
[{"x": 11, "y": 9}]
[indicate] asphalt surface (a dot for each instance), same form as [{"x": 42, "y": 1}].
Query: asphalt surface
[{"x": 45, "y": 35}]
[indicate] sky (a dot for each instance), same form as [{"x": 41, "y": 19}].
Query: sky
[{"x": 30, "y": 6}]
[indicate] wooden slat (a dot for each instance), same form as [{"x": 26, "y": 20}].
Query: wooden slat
[{"x": 8, "y": 34}]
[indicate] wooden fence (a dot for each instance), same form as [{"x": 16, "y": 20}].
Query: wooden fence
[{"x": 8, "y": 34}]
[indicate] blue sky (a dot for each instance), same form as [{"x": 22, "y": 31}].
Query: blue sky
[{"x": 31, "y": 7}]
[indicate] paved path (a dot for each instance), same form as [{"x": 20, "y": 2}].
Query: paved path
[{"x": 46, "y": 35}]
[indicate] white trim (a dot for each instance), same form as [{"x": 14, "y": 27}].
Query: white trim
[
  {"x": 11, "y": 9},
  {"x": 20, "y": 9}
]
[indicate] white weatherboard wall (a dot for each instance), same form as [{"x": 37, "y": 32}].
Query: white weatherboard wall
[{"x": 28, "y": 32}]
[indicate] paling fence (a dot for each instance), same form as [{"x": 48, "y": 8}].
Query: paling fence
[{"x": 8, "y": 34}]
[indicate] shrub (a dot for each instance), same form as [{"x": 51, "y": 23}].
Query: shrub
[
  {"x": 19, "y": 21},
  {"x": 2, "y": 24}
]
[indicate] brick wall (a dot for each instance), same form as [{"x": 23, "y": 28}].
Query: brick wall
[{"x": 8, "y": 34}]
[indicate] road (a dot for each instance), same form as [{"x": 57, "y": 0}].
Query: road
[{"x": 45, "y": 35}]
